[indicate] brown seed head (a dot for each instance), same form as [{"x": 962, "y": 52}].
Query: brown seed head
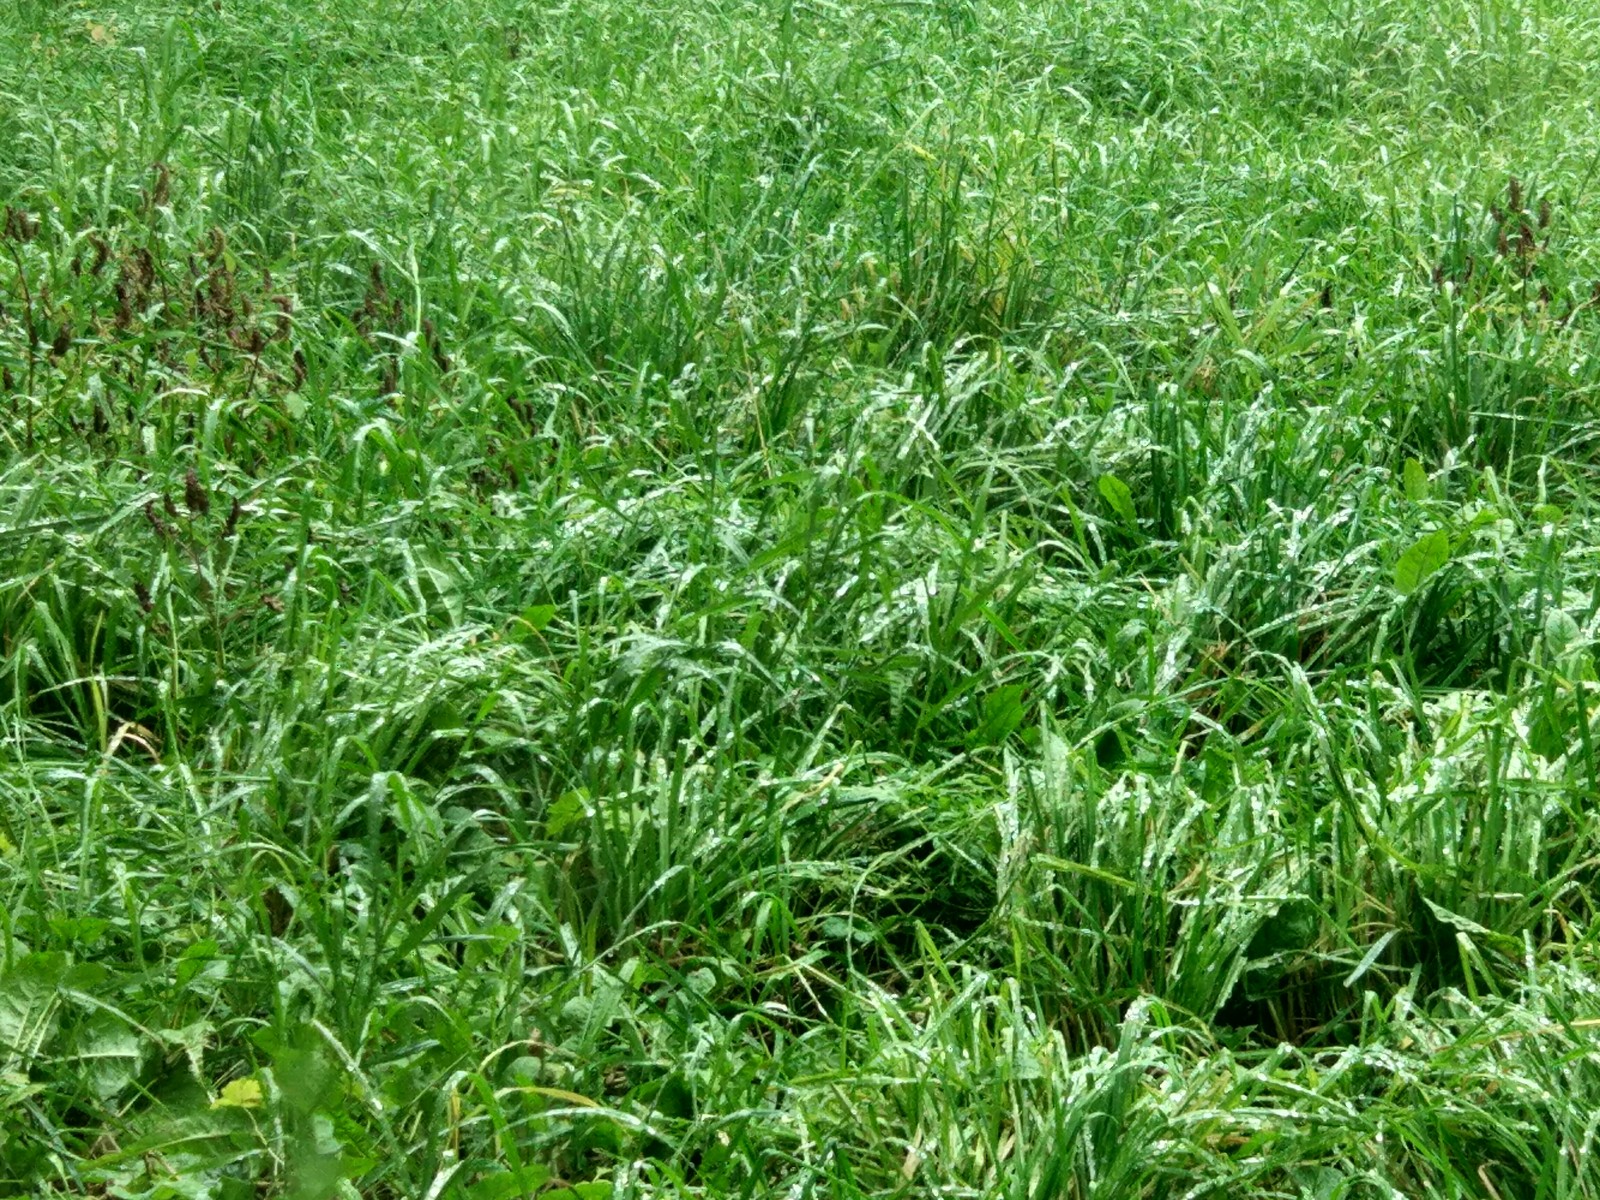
[
  {"x": 1514, "y": 194},
  {"x": 154, "y": 518},
  {"x": 1544, "y": 214},
  {"x": 440, "y": 359},
  {"x": 19, "y": 226},
  {"x": 280, "y": 322},
  {"x": 194, "y": 494}
]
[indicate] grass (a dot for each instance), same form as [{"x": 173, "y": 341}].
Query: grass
[{"x": 974, "y": 598}]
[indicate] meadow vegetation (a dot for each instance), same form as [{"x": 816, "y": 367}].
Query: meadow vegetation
[{"x": 961, "y": 598}]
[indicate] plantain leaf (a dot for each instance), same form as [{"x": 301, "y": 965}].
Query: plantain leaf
[
  {"x": 1424, "y": 558},
  {"x": 1416, "y": 481},
  {"x": 1119, "y": 497}
]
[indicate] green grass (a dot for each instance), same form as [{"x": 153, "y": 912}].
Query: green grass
[{"x": 972, "y": 598}]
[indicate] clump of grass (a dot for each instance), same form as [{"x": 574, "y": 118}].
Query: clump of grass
[{"x": 986, "y": 599}]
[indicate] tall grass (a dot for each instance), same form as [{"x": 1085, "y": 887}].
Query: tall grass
[{"x": 985, "y": 598}]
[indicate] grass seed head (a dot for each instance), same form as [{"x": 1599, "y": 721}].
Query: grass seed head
[
  {"x": 195, "y": 495},
  {"x": 283, "y": 318},
  {"x": 19, "y": 226},
  {"x": 440, "y": 359},
  {"x": 161, "y": 190},
  {"x": 155, "y": 520},
  {"x": 134, "y": 281}
]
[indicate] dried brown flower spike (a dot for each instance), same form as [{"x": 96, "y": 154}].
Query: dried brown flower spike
[
  {"x": 194, "y": 494},
  {"x": 19, "y": 226}
]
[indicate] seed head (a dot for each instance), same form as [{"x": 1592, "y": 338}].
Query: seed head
[
  {"x": 440, "y": 359},
  {"x": 161, "y": 192},
  {"x": 154, "y": 518},
  {"x": 19, "y": 226},
  {"x": 1514, "y": 194},
  {"x": 281, "y": 320},
  {"x": 194, "y": 494}
]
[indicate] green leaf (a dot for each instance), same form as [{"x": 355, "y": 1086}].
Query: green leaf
[
  {"x": 537, "y": 616},
  {"x": 1119, "y": 497},
  {"x": 30, "y": 994},
  {"x": 1416, "y": 481},
  {"x": 1002, "y": 713},
  {"x": 510, "y": 1185},
  {"x": 569, "y": 810},
  {"x": 1424, "y": 558},
  {"x": 1561, "y": 630},
  {"x": 190, "y": 1041},
  {"x": 1549, "y": 730},
  {"x": 196, "y": 957},
  {"x": 110, "y": 1054},
  {"x": 595, "y": 1189},
  {"x": 239, "y": 1093}
]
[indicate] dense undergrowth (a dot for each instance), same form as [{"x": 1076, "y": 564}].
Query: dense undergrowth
[{"x": 820, "y": 599}]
